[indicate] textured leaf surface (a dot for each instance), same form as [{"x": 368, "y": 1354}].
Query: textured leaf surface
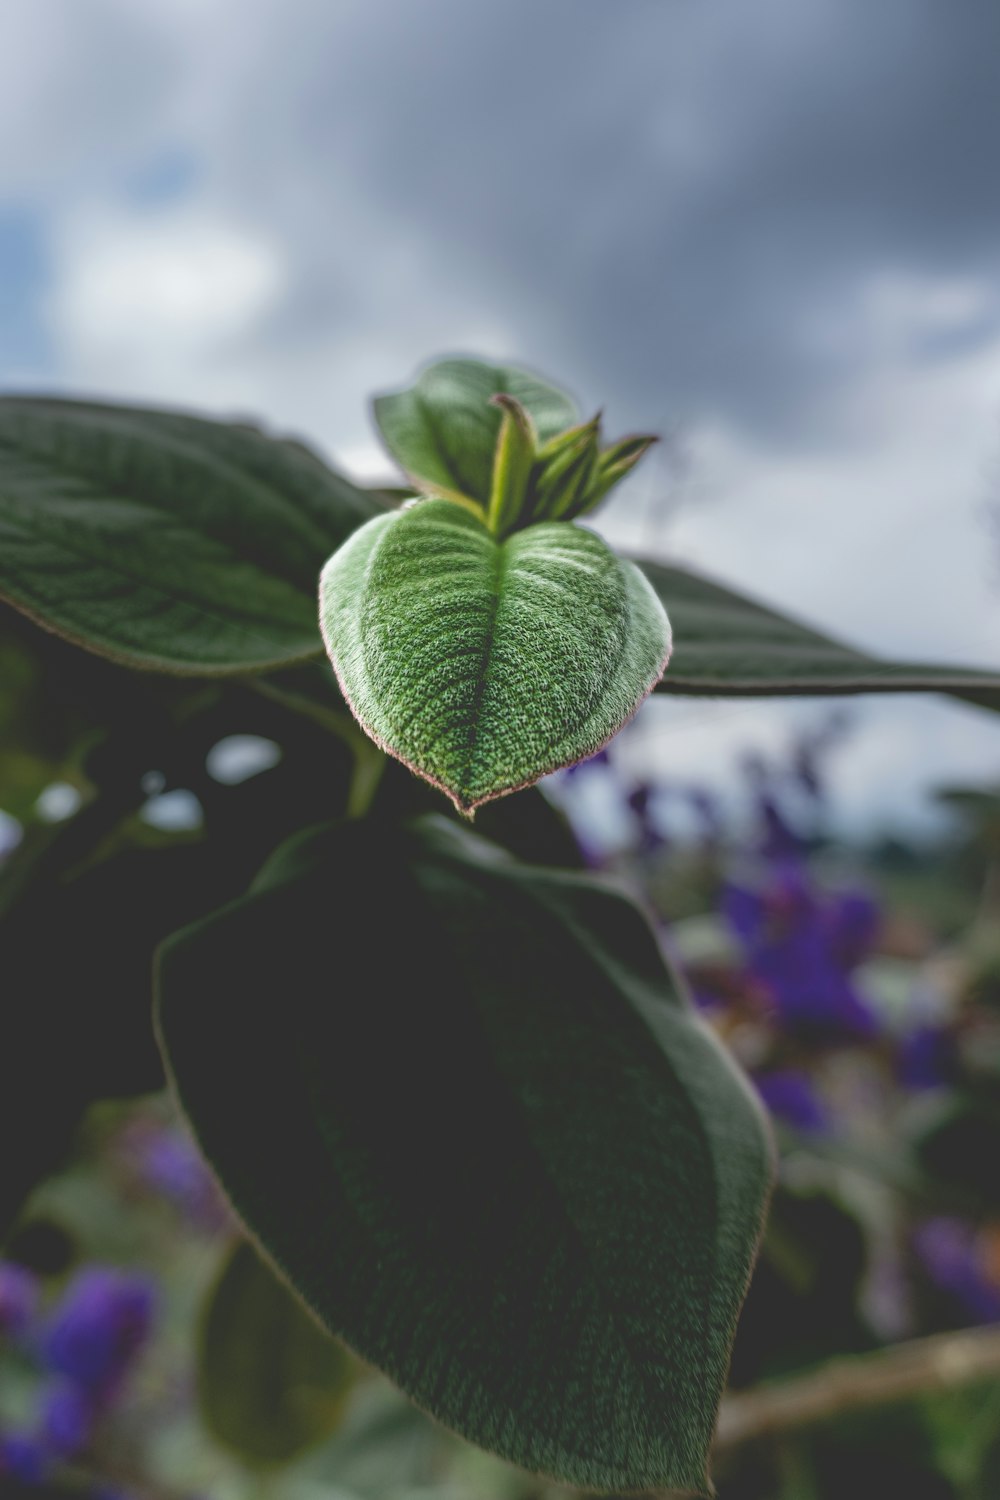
[
  {"x": 485, "y": 664},
  {"x": 443, "y": 430},
  {"x": 165, "y": 541},
  {"x": 536, "y": 1182},
  {"x": 730, "y": 646},
  {"x": 271, "y": 1383}
]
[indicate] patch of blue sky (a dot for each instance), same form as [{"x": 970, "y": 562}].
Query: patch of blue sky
[
  {"x": 166, "y": 177},
  {"x": 26, "y": 356}
]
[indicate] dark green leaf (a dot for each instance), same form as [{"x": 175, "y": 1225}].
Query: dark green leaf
[
  {"x": 165, "y": 541},
  {"x": 505, "y": 1162},
  {"x": 271, "y": 1383},
  {"x": 727, "y": 645},
  {"x": 443, "y": 429},
  {"x": 485, "y": 664}
]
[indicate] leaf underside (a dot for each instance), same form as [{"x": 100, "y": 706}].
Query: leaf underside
[
  {"x": 270, "y": 1383},
  {"x": 166, "y": 541},
  {"x": 536, "y": 1182},
  {"x": 483, "y": 664},
  {"x": 728, "y": 645}
]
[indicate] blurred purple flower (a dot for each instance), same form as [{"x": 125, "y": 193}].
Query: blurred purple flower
[
  {"x": 68, "y": 1414},
  {"x": 98, "y": 1327},
  {"x": 800, "y": 945},
  {"x": 168, "y": 1161},
  {"x": 23, "y": 1458},
  {"x": 778, "y": 840},
  {"x": 18, "y": 1299},
  {"x": 790, "y": 1096},
  {"x": 927, "y": 1058},
  {"x": 641, "y": 801},
  {"x": 951, "y": 1254}
]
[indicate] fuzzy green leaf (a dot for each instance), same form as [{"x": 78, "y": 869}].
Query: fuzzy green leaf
[
  {"x": 484, "y": 664},
  {"x": 443, "y": 429},
  {"x": 271, "y": 1383},
  {"x": 164, "y": 541},
  {"x": 727, "y": 645},
  {"x": 535, "y": 1182}
]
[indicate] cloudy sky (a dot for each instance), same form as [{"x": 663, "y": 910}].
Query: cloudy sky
[{"x": 769, "y": 229}]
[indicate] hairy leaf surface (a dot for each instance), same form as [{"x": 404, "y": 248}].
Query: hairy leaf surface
[
  {"x": 728, "y": 645},
  {"x": 166, "y": 541},
  {"x": 485, "y": 664},
  {"x": 443, "y": 430},
  {"x": 536, "y": 1182}
]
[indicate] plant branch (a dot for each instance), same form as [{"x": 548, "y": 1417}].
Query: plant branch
[{"x": 920, "y": 1367}]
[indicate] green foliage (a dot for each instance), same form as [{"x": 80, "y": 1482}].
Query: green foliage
[
  {"x": 726, "y": 645},
  {"x": 485, "y": 664},
  {"x": 515, "y": 465},
  {"x": 536, "y": 1181},
  {"x": 165, "y": 541},
  {"x": 443, "y": 430},
  {"x": 270, "y": 1383},
  {"x": 455, "y": 1095}
]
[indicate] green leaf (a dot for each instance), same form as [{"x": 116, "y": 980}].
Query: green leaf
[
  {"x": 165, "y": 541},
  {"x": 727, "y": 645},
  {"x": 271, "y": 1383},
  {"x": 613, "y": 465},
  {"x": 507, "y": 1163},
  {"x": 485, "y": 664},
  {"x": 512, "y": 461},
  {"x": 563, "y": 472},
  {"x": 443, "y": 429}
]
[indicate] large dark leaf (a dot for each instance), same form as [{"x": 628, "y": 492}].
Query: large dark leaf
[
  {"x": 460, "y": 1104},
  {"x": 166, "y": 541},
  {"x": 727, "y": 645}
]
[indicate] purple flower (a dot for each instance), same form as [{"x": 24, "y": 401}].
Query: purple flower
[
  {"x": 927, "y": 1058},
  {"x": 640, "y": 800},
  {"x": 98, "y": 1327},
  {"x": 18, "y": 1299},
  {"x": 23, "y": 1458},
  {"x": 68, "y": 1414},
  {"x": 951, "y": 1253},
  {"x": 790, "y": 1096},
  {"x": 778, "y": 840},
  {"x": 800, "y": 946},
  {"x": 171, "y": 1164}
]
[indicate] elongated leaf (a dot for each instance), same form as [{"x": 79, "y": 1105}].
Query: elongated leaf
[
  {"x": 485, "y": 664},
  {"x": 270, "y": 1383},
  {"x": 507, "y": 1164},
  {"x": 165, "y": 541},
  {"x": 443, "y": 430},
  {"x": 727, "y": 645}
]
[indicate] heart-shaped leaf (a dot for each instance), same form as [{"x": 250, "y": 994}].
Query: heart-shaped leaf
[
  {"x": 165, "y": 541},
  {"x": 484, "y": 664},
  {"x": 506, "y": 1162},
  {"x": 443, "y": 430}
]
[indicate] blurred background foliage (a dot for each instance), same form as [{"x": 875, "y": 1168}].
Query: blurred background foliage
[{"x": 146, "y": 1350}]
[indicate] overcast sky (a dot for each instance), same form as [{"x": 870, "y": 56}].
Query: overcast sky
[{"x": 767, "y": 228}]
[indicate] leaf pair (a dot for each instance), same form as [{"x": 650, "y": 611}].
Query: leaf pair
[
  {"x": 522, "y": 463},
  {"x": 510, "y": 1167}
]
